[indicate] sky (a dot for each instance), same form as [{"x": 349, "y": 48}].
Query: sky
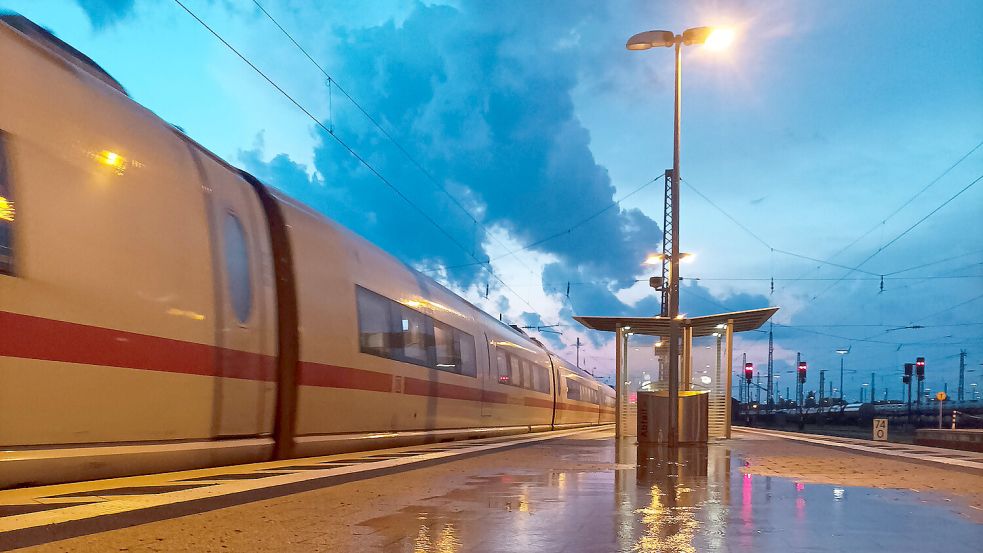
[{"x": 486, "y": 143}]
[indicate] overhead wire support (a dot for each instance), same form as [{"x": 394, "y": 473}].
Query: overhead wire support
[
  {"x": 668, "y": 230},
  {"x": 346, "y": 146}
]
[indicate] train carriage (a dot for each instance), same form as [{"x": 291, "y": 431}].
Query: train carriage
[{"x": 161, "y": 309}]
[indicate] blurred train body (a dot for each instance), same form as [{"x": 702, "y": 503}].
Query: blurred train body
[{"x": 162, "y": 310}]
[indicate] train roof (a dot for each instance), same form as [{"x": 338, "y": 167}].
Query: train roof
[{"x": 42, "y": 36}]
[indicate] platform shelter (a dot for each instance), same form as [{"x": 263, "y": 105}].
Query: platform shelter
[{"x": 723, "y": 325}]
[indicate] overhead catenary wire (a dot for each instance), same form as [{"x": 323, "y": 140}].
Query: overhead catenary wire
[
  {"x": 903, "y": 233},
  {"x": 903, "y": 205},
  {"x": 350, "y": 150},
  {"x": 762, "y": 240}
]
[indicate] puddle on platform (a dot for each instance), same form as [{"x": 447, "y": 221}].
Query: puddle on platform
[{"x": 660, "y": 500}]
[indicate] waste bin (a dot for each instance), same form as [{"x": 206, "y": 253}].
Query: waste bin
[{"x": 653, "y": 417}]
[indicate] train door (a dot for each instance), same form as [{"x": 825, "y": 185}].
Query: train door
[
  {"x": 245, "y": 386},
  {"x": 487, "y": 383},
  {"x": 554, "y": 382}
]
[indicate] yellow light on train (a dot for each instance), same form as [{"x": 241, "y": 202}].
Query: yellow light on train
[
  {"x": 6, "y": 210},
  {"x": 424, "y": 303},
  {"x": 507, "y": 344},
  {"x": 183, "y": 313},
  {"x": 112, "y": 159}
]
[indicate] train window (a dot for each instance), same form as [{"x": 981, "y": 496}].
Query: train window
[
  {"x": 543, "y": 379},
  {"x": 417, "y": 336},
  {"x": 375, "y": 324},
  {"x": 6, "y": 212},
  {"x": 503, "y": 367},
  {"x": 448, "y": 348},
  {"x": 390, "y": 329},
  {"x": 469, "y": 363},
  {"x": 237, "y": 268},
  {"x": 515, "y": 370},
  {"x": 573, "y": 390}
]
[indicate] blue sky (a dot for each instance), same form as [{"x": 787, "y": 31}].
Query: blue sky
[{"x": 516, "y": 120}]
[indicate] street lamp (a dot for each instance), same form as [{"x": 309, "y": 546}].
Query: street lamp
[{"x": 716, "y": 38}]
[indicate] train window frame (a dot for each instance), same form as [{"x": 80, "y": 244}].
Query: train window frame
[
  {"x": 238, "y": 269},
  {"x": 7, "y": 212}
]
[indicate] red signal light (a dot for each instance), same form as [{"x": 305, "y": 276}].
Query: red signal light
[
  {"x": 748, "y": 371},
  {"x": 919, "y": 361}
]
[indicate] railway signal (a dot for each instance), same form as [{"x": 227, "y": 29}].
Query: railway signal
[
  {"x": 920, "y": 375},
  {"x": 802, "y": 371},
  {"x": 748, "y": 371},
  {"x": 908, "y": 370}
]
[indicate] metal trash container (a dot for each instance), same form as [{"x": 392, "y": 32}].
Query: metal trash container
[{"x": 653, "y": 417}]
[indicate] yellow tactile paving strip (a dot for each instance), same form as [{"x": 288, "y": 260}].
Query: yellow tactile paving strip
[{"x": 121, "y": 496}]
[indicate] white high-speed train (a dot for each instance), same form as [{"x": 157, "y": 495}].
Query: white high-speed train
[{"x": 162, "y": 310}]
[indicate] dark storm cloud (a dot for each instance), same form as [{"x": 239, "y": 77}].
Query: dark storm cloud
[
  {"x": 476, "y": 101},
  {"x": 106, "y": 13},
  {"x": 483, "y": 99}
]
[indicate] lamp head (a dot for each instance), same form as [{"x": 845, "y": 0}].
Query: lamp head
[
  {"x": 716, "y": 38},
  {"x": 651, "y": 39}
]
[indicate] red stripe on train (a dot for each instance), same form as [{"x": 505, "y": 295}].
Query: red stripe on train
[{"x": 31, "y": 337}]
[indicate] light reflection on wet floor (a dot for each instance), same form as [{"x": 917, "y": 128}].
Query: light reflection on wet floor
[{"x": 693, "y": 499}]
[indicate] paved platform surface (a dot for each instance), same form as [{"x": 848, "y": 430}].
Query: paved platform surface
[{"x": 569, "y": 491}]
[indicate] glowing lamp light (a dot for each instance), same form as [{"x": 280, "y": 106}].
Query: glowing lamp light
[
  {"x": 719, "y": 38},
  {"x": 653, "y": 259},
  {"x": 6, "y": 210}
]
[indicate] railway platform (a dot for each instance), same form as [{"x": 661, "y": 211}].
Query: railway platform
[{"x": 566, "y": 491}]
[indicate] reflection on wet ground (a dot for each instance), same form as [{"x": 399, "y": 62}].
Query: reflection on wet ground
[{"x": 595, "y": 499}]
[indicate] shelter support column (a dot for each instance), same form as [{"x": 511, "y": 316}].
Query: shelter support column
[
  {"x": 729, "y": 368},
  {"x": 619, "y": 381},
  {"x": 686, "y": 378}
]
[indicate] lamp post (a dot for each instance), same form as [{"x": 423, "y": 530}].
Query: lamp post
[
  {"x": 842, "y": 352},
  {"x": 643, "y": 41}
]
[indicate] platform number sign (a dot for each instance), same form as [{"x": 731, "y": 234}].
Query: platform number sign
[{"x": 880, "y": 430}]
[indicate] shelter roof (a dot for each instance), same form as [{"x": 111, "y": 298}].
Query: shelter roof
[{"x": 702, "y": 326}]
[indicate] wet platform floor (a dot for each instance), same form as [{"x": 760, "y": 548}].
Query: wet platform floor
[
  {"x": 654, "y": 499},
  {"x": 580, "y": 493}
]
